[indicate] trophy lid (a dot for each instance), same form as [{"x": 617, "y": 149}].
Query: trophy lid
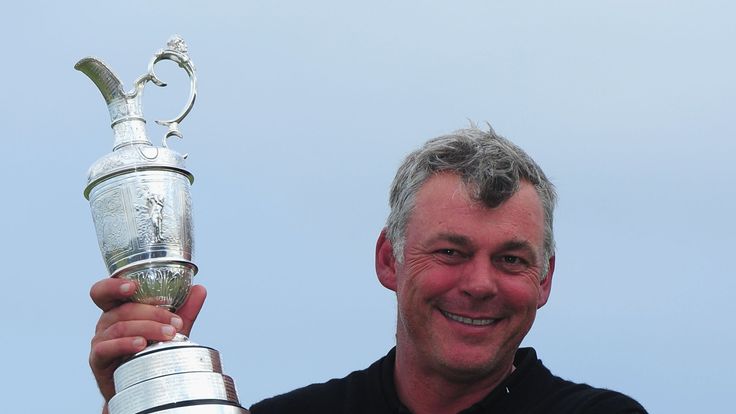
[{"x": 135, "y": 158}]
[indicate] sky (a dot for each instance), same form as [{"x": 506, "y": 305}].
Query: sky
[{"x": 305, "y": 110}]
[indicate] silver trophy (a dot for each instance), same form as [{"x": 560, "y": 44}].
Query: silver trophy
[{"x": 141, "y": 206}]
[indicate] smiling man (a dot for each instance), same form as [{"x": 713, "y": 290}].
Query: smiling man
[
  {"x": 468, "y": 286},
  {"x": 469, "y": 250}
]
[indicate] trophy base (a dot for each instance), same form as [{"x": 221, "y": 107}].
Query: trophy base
[
  {"x": 203, "y": 409},
  {"x": 174, "y": 377}
]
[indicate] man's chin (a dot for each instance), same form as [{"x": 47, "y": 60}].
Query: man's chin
[{"x": 469, "y": 368}]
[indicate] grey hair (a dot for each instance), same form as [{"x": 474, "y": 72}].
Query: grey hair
[{"x": 491, "y": 166}]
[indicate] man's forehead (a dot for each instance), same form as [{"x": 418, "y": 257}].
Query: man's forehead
[
  {"x": 445, "y": 205},
  {"x": 452, "y": 186}
]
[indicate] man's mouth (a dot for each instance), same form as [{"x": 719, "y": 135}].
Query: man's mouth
[{"x": 467, "y": 321}]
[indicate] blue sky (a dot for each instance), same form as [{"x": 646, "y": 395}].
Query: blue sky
[{"x": 305, "y": 109}]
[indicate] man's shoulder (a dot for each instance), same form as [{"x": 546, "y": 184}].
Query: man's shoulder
[
  {"x": 322, "y": 397},
  {"x": 570, "y": 397},
  {"x": 357, "y": 392},
  {"x": 548, "y": 393}
]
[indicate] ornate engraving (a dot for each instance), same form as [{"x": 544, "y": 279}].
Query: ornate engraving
[
  {"x": 115, "y": 160},
  {"x": 162, "y": 285},
  {"x": 111, "y": 222},
  {"x": 144, "y": 216},
  {"x": 188, "y": 224}
]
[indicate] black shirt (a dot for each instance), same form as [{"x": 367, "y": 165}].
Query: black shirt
[{"x": 531, "y": 389}]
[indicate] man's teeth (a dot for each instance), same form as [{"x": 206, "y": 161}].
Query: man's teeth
[{"x": 468, "y": 321}]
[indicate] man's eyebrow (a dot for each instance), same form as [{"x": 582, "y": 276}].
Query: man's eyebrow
[
  {"x": 516, "y": 245},
  {"x": 453, "y": 238}
]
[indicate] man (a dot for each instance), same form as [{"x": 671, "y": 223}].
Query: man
[{"x": 469, "y": 250}]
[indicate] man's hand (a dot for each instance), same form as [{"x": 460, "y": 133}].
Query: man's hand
[{"x": 126, "y": 327}]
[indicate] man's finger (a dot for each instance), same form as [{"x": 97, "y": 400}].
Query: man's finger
[
  {"x": 106, "y": 353},
  {"x": 105, "y": 357},
  {"x": 152, "y": 331},
  {"x": 111, "y": 292},
  {"x": 190, "y": 309},
  {"x": 135, "y": 311}
]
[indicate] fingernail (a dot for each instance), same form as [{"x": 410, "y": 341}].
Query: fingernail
[
  {"x": 168, "y": 330},
  {"x": 125, "y": 288},
  {"x": 139, "y": 342},
  {"x": 177, "y": 323}
]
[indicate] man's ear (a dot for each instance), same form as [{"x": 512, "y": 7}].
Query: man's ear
[
  {"x": 545, "y": 285},
  {"x": 385, "y": 262}
]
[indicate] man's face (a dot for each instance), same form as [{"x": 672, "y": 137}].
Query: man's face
[{"x": 470, "y": 282}]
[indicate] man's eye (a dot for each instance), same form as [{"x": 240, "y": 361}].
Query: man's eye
[
  {"x": 450, "y": 255},
  {"x": 512, "y": 264}
]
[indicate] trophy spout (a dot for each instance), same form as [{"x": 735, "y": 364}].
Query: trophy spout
[
  {"x": 126, "y": 109},
  {"x": 105, "y": 80}
]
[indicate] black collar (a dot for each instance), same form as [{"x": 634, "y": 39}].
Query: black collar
[{"x": 525, "y": 362}]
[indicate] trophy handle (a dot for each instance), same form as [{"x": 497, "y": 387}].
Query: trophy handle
[{"x": 175, "y": 51}]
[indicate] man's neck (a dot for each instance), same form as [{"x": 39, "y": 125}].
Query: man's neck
[{"x": 426, "y": 391}]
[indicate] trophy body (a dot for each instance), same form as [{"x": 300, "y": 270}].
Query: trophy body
[
  {"x": 140, "y": 199},
  {"x": 142, "y": 214}
]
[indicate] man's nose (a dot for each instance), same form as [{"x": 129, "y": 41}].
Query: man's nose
[{"x": 479, "y": 279}]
